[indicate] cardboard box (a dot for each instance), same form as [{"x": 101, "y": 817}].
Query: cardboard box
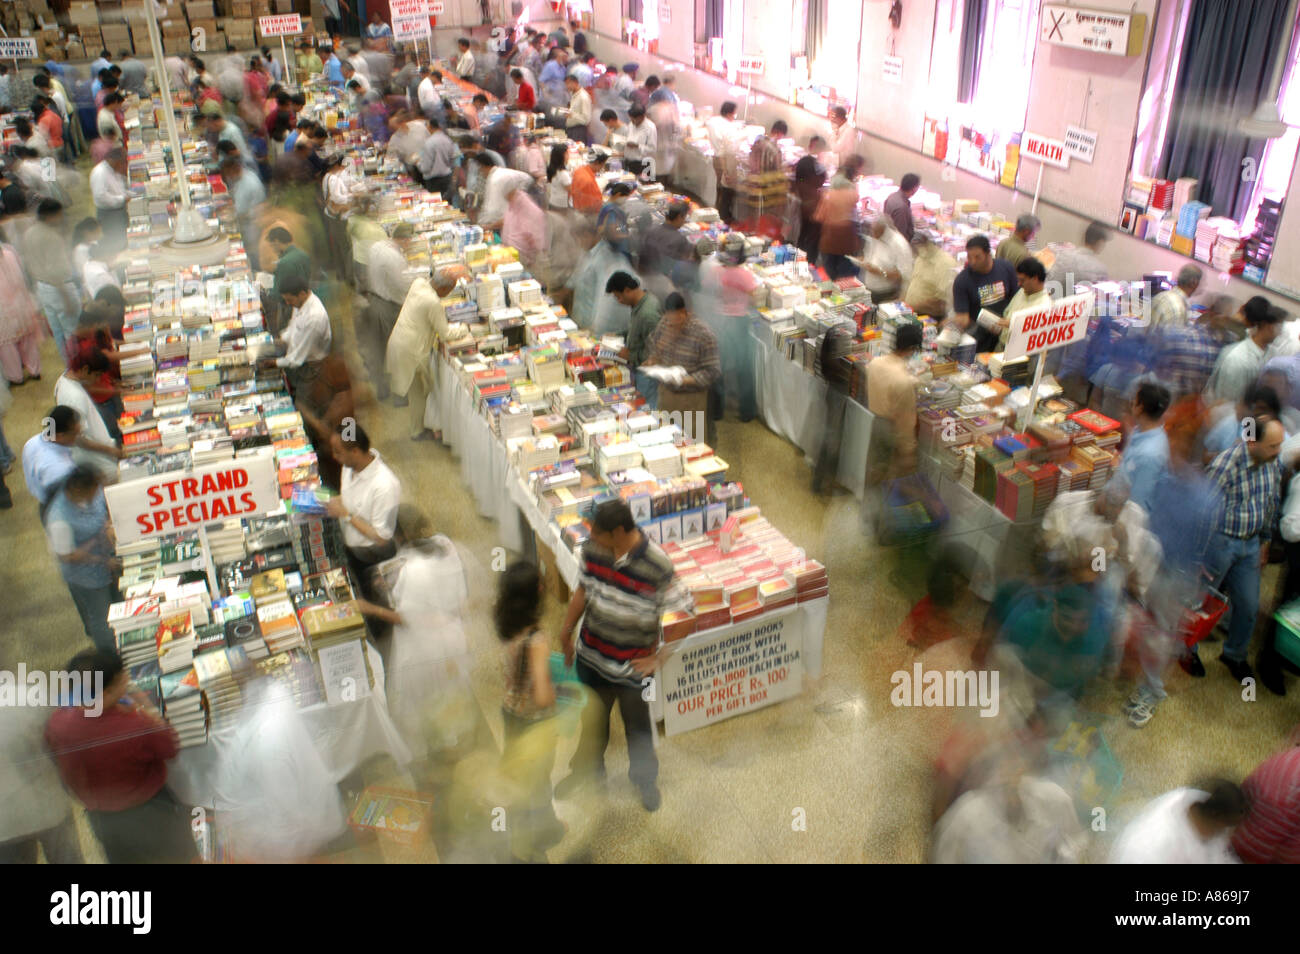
[
  {"x": 200, "y": 10},
  {"x": 81, "y": 12},
  {"x": 242, "y": 9}
]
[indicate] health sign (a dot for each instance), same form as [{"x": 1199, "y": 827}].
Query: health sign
[{"x": 1050, "y": 151}]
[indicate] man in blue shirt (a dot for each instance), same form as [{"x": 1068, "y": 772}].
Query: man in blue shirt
[
  {"x": 1146, "y": 457},
  {"x": 47, "y": 456},
  {"x": 334, "y": 70},
  {"x": 77, "y": 527}
]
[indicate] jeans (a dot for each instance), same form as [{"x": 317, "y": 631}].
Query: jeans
[
  {"x": 63, "y": 323},
  {"x": 439, "y": 184},
  {"x": 648, "y": 387},
  {"x": 92, "y": 606},
  {"x": 590, "y": 755},
  {"x": 839, "y": 266},
  {"x": 1235, "y": 566},
  {"x": 157, "y": 832}
]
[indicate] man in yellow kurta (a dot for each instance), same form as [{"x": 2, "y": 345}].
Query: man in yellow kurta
[{"x": 411, "y": 361}]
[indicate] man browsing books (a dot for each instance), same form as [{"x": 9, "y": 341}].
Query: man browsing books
[{"x": 367, "y": 503}]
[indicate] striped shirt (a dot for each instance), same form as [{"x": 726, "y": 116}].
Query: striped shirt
[
  {"x": 626, "y": 597},
  {"x": 1270, "y": 832},
  {"x": 1250, "y": 492},
  {"x": 693, "y": 347},
  {"x": 1186, "y": 359}
]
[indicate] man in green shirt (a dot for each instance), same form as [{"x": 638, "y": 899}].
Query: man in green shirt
[
  {"x": 646, "y": 312},
  {"x": 309, "y": 61},
  {"x": 290, "y": 261},
  {"x": 1015, "y": 248}
]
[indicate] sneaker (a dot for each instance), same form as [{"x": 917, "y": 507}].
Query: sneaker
[
  {"x": 1192, "y": 665},
  {"x": 1139, "y": 713},
  {"x": 650, "y": 797},
  {"x": 1239, "y": 668}
]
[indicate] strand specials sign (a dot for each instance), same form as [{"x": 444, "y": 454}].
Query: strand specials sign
[
  {"x": 186, "y": 500},
  {"x": 1050, "y": 151},
  {"x": 744, "y": 667},
  {"x": 1052, "y": 326},
  {"x": 18, "y": 47},
  {"x": 286, "y": 24},
  {"x": 410, "y": 19}
]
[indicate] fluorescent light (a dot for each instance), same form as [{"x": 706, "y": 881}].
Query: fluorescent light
[{"x": 1264, "y": 123}]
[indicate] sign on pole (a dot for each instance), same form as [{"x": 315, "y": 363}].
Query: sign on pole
[
  {"x": 1055, "y": 325},
  {"x": 285, "y": 24},
  {"x": 1080, "y": 143},
  {"x": 18, "y": 47},
  {"x": 189, "y": 500},
  {"x": 751, "y": 64},
  {"x": 1050, "y": 151},
  {"x": 410, "y": 19}
]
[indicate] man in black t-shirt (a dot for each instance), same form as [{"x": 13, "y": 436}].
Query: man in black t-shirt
[{"x": 985, "y": 282}]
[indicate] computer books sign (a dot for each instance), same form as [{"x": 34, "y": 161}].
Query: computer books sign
[
  {"x": 1061, "y": 323},
  {"x": 287, "y": 24},
  {"x": 743, "y": 667},
  {"x": 188, "y": 500},
  {"x": 410, "y": 19}
]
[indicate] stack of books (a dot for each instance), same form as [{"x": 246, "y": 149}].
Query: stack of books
[
  {"x": 176, "y": 641},
  {"x": 216, "y": 672},
  {"x": 333, "y": 625},
  {"x": 182, "y": 705}
]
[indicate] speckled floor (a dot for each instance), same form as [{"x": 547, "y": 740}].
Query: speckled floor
[{"x": 856, "y": 769}]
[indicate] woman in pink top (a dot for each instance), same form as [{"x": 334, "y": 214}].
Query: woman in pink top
[{"x": 734, "y": 291}]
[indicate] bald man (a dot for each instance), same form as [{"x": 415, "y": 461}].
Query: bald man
[{"x": 412, "y": 361}]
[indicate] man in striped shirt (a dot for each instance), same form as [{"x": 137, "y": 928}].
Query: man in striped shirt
[
  {"x": 1249, "y": 476},
  {"x": 626, "y": 585},
  {"x": 1270, "y": 832}
]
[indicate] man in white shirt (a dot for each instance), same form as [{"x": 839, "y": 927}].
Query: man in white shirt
[
  {"x": 500, "y": 183},
  {"x": 642, "y": 141},
  {"x": 308, "y": 337},
  {"x": 1240, "y": 364},
  {"x": 351, "y": 74},
  {"x": 97, "y": 273},
  {"x": 723, "y": 130},
  {"x": 1184, "y": 827},
  {"x": 388, "y": 278},
  {"x": 844, "y": 136},
  {"x": 465, "y": 65},
  {"x": 407, "y": 141},
  {"x": 578, "y": 123},
  {"x": 109, "y": 191},
  {"x": 369, "y": 495},
  {"x": 427, "y": 93},
  {"x": 886, "y": 261}
]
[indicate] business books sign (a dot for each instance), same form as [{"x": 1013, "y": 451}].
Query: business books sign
[{"x": 1056, "y": 325}]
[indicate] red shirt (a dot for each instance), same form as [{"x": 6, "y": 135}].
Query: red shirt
[
  {"x": 584, "y": 191},
  {"x": 112, "y": 762},
  {"x": 1270, "y": 832},
  {"x": 526, "y": 96},
  {"x": 52, "y": 125}
]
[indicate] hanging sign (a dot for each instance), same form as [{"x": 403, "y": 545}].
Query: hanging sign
[
  {"x": 1061, "y": 323},
  {"x": 286, "y": 24},
  {"x": 1098, "y": 31},
  {"x": 18, "y": 47},
  {"x": 188, "y": 500},
  {"x": 437, "y": 8},
  {"x": 751, "y": 64},
  {"x": 893, "y": 70},
  {"x": 410, "y": 19},
  {"x": 1080, "y": 143},
  {"x": 1049, "y": 151}
]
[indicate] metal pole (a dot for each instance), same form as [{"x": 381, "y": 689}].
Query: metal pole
[
  {"x": 1037, "y": 188},
  {"x": 1033, "y": 391},
  {"x": 169, "y": 117},
  {"x": 288, "y": 70}
]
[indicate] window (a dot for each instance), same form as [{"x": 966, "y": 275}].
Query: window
[
  {"x": 1274, "y": 173},
  {"x": 641, "y": 23}
]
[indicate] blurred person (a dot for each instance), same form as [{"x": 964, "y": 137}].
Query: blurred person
[
  {"x": 98, "y": 447},
  {"x": 524, "y": 227},
  {"x": 1015, "y": 246},
  {"x": 1187, "y": 826},
  {"x": 378, "y": 30},
  {"x": 1061, "y": 642},
  {"x": 81, "y": 539},
  {"x": 929, "y": 292},
  {"x": 32, "y": 138},
  {"x": 427, "y": 96},
  {"x": 475, "y": 183},
  {"x": 528, "y": 157},
  {"x": 523, "y": 96},
  {"x": 499, "y": 184},
  {"x": 29, "y": 172},
  {"x": 45, "y": 254},
  {"x": 1185, "y": 359},
  {"x": 50, "y": 121},
  {"x": 38, "y": 812},
  {"x": 1081, "y": 265},
  {"x": 554, "y": 93},
  {"x": 684, "y": 342},
  {"x": 388, "y": 281},
  {"x": 723, "y": 130},
  {"x": 465, "y": 61},
  {"x": 837, "y": 343},
  {"x": 647, "y": 310},
  {"x": 308, "y": 61},
  {"x": 1240, "y": 364},
  {"x": 891, "y": 397},
  {"x": 985, "y": 284},
  {"x": 844, "y": 136},
  {"x": 410, "y": 131},
  {"x": 1270, "y": 832},
  {"x": 899, "y": 205},
  {"x": 20, "y": 324},
  {"x": 809, "y": 177},
  {"x": 325, "y": 402},
  {"x": 340, "y": 189},
  {"x": 307, "y": 338},
  {"x": 289, "y": 262},
  {"x": 47, "y": 455},
  {"x": 471, "y": 110},
  {"x": 732, "y": 289},
  {"x": 249, "y": 194},
  {"x": 666, "y": 251},
  {"x": 527, "y": 710},
  {"x": 366, "y": 505},
  {"x": 334, "y": 12},
  {"x": 1269, "y": 663},
  {"x": 116, "y": 765},
  {"x": 110, "y": 192},
  {"x": 765, "y": 153},
  {"x": 364, "y": 231},
  {"x": 1014, "y": 818},
  {"x": 612, "y": 221},
  {"x": 1146, "y": 455},
  {"x": 1250, "y": 479},
  {"x": 558, "y": 177},
  {"x": 437, "y": 160},
  {"x": 837, "y": 214},
  {"x": 642, "y": 141},
  {"x": 98, "y": 272},
  {"x": 626, "y": 584},
  {"x": 886, "y": 260},
  {"x": 87, "y": 233},
  {"x": 1169, "y": 309},
  {"x": 578, "y": 120},
  {"x": 1259, "y": 403},
  {"x": 663, "y": 111},
  {"x": 584, "y": 191},
  {"x": 411, "y": 359}
]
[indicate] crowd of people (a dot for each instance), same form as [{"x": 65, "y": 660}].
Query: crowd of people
[{"x": 1204, "y": 493}]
